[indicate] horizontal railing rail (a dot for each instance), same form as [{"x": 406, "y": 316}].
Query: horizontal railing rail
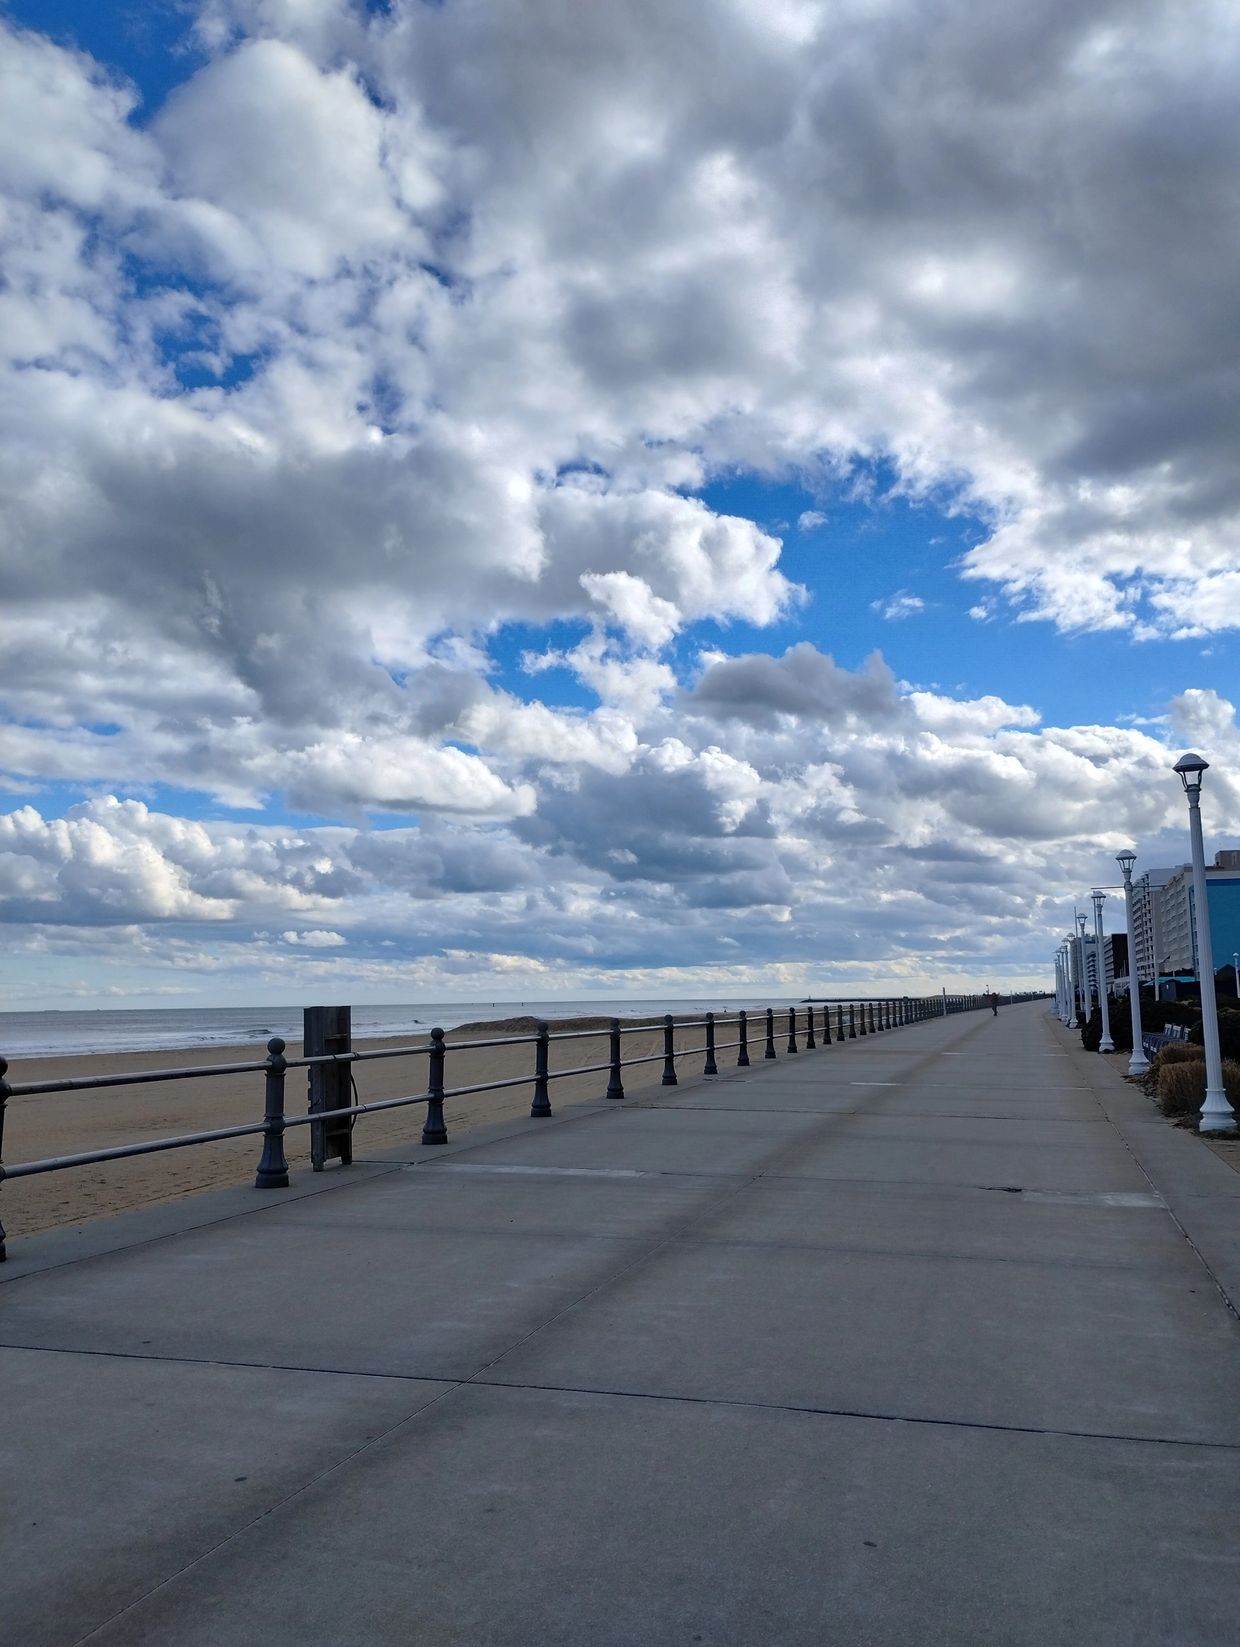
[{"x": 841, "y": 1018}]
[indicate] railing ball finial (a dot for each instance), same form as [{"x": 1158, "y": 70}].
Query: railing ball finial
[
  {"x": 540, "y": 1108},
  {"x": 4, "y": 1098},
  {"x": 615, "y": 1074},
  {"x": 669, "y": 1050},
  {"x": 272, "y": 1170},
  {"x": 434, "y": 1131}
]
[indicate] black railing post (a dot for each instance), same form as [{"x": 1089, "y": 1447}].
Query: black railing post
[
  {"x": 770, "y": 1033},
  {"x": 839, "y": 1023},
  {"x": 434, "y": 1132},
  {"x": 541, "y": 1105},
  {"x": 792, "y": 1030},
  {"x": 873, "y": 1031},
  {"x": 669, "y": 1051},
  {"x": 4, "y": 1098},
  {"x": 742, "y": 1056},
  {"x": 861, "y": 1029},
  {"x": 272, "y": 1167},
  {"x": 710, "y": 1067},
  {"x": 826, "y": 1026},
  {"x": 810, "y": 1041},
  {"x": 615, "y": 1079},
  {"x": 852, "y": 1022}
]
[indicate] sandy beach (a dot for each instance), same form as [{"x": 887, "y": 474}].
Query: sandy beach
[{"x": 64, "y": 1123}]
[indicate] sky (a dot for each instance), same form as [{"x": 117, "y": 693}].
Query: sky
[{"x": 501, "y": 501}]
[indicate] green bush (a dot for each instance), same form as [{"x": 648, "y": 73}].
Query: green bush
[
  {"x": 1228, "y": 1032},
  {"x": 1121, "y": 1026},
  {"x": 1157, "y": 1015}
]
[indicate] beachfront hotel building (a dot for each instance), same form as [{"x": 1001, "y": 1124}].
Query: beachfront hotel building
[
  {"x": 1149, "y": 921},
  {"x": 1172, "y": 917}
]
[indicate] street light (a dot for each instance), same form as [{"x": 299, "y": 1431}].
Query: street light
[
  {"x": 1087, "y": 1001},
  {"x": 1106, "y": 1044},
  {"x": 1235, "y": 967},
  {"x": 1217, "y": 1114},
  {"x": 1138, "y": 1064}
]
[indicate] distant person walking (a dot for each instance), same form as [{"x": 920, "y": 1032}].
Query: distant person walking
[{"x": 994, "y": 1003}]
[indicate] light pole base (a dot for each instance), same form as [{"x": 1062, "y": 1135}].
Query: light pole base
[
  {"x": 1217, "y": 1114},
  {"x": 1106, "y": 1044},
  {"x": 1138, "y": 1064}
]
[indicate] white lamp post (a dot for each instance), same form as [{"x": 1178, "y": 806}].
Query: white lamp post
[
  {"x": 1138, "y": 1064},
  {"x": 1087, "y": 1000},
  {"x": 1106, "y": 1044},
  {"x": 1235, "y": 967},
  {"x": 1217, "y": 1114},
  {"x": 1065, "y": 983}
]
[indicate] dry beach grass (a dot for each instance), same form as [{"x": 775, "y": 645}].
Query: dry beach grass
[{"x": 68, "y": 1122}]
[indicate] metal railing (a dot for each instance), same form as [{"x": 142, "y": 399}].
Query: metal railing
[{"x": 853, "y": 1019}]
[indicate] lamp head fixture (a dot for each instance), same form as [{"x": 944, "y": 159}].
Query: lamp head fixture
[
  {"x": 1125, "y": 860},
  {"x": 1190, "y": 767},
  {"x": 1098, "y": 899}
]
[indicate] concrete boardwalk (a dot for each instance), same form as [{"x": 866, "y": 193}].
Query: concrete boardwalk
[{"x": 894, "y": 1343}]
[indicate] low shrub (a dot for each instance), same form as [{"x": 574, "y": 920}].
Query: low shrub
[
  {"x": 1182, "y": 1085},
  {"x": 1178, "y": 1052}
]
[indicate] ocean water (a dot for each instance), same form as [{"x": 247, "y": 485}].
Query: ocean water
[{"x": 34, "y": 1034}]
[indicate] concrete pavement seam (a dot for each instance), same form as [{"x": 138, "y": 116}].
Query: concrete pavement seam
[
  {"x": 849, "y": 1412},
  {"x": 1229, "y": 1304}
]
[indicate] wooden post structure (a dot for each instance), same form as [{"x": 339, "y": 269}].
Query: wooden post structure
[{"x": 329, "y": 1029}]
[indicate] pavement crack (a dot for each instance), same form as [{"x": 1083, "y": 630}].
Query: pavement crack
[{"x": 862, "y": 1413}]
